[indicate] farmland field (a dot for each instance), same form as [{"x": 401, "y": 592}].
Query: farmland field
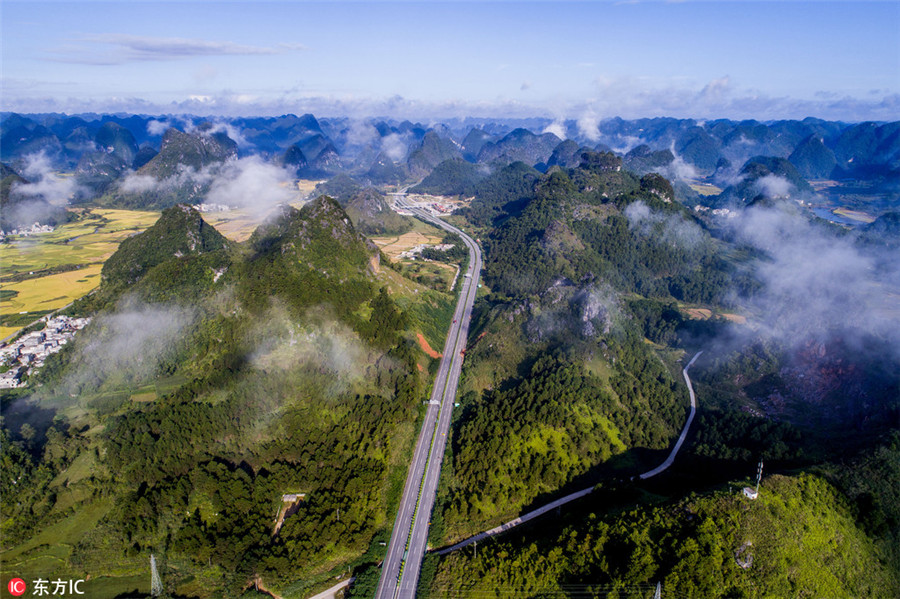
[
  {"x": 857, "y": 215},
  {"x": 45, "y": 272},
  {"x": 422, "y": 233},
  {"x": 705, "y": 189}
]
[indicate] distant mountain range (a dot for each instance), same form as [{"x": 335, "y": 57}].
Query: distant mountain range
[
  {"x": 102, "y": 150},
  {"x": 812, "y": 145}
]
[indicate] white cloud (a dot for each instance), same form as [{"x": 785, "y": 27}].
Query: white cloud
[
  {"x": 43, "y": 182},
  {"x": 128, "y": 344},
  {"x": 623, "y": 98},
  {"x": 361, "y": 133},
  {"x": 816, "y": 283},
  {"x": 156, "y": 128},
  {"x": 678, "y": 169},
  {"x": 253, "y": 185},
  {"x": 394, "y": 146},
  {"x": 589, "y": 125},
  {"x": 672, "y": 230},
  {"x": 118, "y": 48},
  {"x": 184, "y": 175},
  {"x": 557, "y": 128},
  {"x": 231, "y": 131},
  {"x": 134, "y": 183},
  {"x": 773, "y": 186}
]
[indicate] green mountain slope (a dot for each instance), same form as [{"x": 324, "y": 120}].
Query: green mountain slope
[
  {"x": 519, "y": 145},
  {"x": 340, "y": 187},
  {"x": 193, "y": 150},
  {"x": 558, "y": 381},
  {"x": 371, "y": 214},
  {"x": 433, "y": 151},
  {"x": 799, "y": 538},
  {"x": 178, "y": 173},
  {"x": 215, "y": 379},
  {"x": 813, "y": 159},
  {"x": 450, "y": 177},
  {"x": 180, "y": 231},
  {"x": 501, "y": 193}
]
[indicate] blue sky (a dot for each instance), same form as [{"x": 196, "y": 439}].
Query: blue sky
[{"x": 760, "y": 60}]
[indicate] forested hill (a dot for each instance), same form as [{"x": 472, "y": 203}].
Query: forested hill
[
  {"x": 599, "y": 223},
  {"x": 371, "y": 214},
  {"x": 800, "y": 537},
  {"x": 214, "y": 378},
  {"x": 558, "y": 380},
  {"x": 180, "y": 231},
  {"x": 600, "y": 284}
]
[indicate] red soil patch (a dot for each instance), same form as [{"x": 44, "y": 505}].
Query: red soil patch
[{"x": 423, "y": 343}]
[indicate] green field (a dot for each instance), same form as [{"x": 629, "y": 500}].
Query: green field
[{"x": 42, "y": 273}]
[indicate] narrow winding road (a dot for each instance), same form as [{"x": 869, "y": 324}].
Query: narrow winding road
[
  {"x": 400, "y": 569},
  {"x": 579, "y": 494}
]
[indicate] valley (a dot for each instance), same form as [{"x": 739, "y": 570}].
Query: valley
[
  {"x": 416, "y": 300},
  {"x": 490, "y": 333}
]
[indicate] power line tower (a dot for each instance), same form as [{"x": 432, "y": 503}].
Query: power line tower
[
  {"x": 658, "y": 593},
  {"x": 156, "y": 586}
]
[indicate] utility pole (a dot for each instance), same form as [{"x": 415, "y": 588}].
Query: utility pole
[{"x": 156, "y": 587}]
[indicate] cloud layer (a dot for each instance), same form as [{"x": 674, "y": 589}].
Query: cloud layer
[
  {"x": 672, "y": 230},
  {"x": 625, "y": 100},
  {"x": 816, "y": 284},
  {"x": 128, "y": 345},
  {"x": 250, "y": 184},
  {"x": 44, "y": 183},
  {"x": 118, "y": 48}
]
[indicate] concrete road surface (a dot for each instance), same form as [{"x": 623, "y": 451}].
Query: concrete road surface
[{"x": 400, "y": 569}]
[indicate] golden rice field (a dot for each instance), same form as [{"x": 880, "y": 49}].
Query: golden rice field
[
  {"x": 857, "y": 215},
  {"x": 394, "y": 245},
  {"x": 705, "y": 189},
  {"x": 45, "y": 272}
]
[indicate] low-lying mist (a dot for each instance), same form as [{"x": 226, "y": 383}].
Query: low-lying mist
[
  {"x": 250, "y": 184},
  {"x": 316, "y": 341},
  {"x": 670, "y": 229},
  {"x": 817, "y": 283},
  {"x": 125, "y": 346},
  {"x": 44, "y": 183}
]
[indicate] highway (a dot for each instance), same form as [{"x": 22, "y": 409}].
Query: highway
[
  {"x": 579, "y": 494},
  {"x": 400, "y": 569}
]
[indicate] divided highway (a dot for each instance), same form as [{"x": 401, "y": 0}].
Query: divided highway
[{"x": 400, "y": 569}]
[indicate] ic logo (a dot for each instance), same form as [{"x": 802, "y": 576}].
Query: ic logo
[{"x": 16, "y": 587}]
